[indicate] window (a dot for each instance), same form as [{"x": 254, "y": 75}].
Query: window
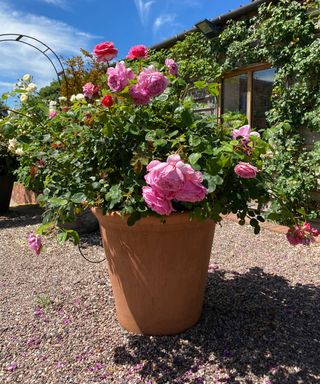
[
  {"x": 248, "y": 91},
  {"x": 235, "y": 94}
]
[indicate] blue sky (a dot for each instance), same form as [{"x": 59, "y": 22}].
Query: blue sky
[{"x": 67, "y": 25}]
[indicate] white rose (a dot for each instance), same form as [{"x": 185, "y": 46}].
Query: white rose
[
  {"x": 52, "y": 103},
  {"x": 19, "y": 151},
  {"x": 73, "y": 98},
  {"x": 12, "y": 144},
  {"x": 23, "y": 98},
  {"x": 31, "y": 87},
  {"x": 62, "y": 99},
  {"x": 26, "y": 77},
  {"x": 80, "y": 96}
]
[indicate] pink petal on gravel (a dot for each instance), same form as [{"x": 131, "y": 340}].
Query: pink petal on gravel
[
  {"x": 12, "y": 367},
  {"x": 59, "y": 364},
  {"x": 38, "y": 312},
  {"x": 77, "y": 301},
  {"x": 213, "y": 267}
]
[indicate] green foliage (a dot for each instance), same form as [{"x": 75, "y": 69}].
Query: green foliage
[
  {"x": 195, "y": 55},
  {"x": 283, "y": 35},
  {"x": 51, "y": 91},
  {"x": 89, "y": 155}
]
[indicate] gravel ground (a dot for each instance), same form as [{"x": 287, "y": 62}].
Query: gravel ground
[{"x": 260, "y": 323}]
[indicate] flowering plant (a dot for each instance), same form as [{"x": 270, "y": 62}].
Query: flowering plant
[{"x": 133, "y": 143}]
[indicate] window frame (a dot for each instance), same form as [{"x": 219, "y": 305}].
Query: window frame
[{"x": 248, "y": 70}]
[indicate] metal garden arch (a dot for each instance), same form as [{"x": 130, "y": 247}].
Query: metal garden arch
[{"x": 43, "y": 48}]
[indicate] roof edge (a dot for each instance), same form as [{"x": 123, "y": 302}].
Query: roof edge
[{"x": 220, "y": 20}]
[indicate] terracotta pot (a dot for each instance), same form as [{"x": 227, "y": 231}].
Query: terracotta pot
[
  {"x": 158, "y": 271},
  {"x": 6, "y": 184}
]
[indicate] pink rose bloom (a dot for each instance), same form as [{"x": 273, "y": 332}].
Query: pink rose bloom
[
  {"x": 105, "y": 51},
  {"x": 35, "y": 243},
  {"x": 302, "y": 234},
  {"x": 138, "y": 52},
  {"x": 89, "y": 90},
  {"x": 246, "y": 170},
  {"x": 294, "y": 236},
  {"x": 172, "y": 66},
  {"x": 139, "y": 95},
  {"x": 245, "y": 132},
  {"x": 175, "y": 180},
  {"x": 52, "y": 114},
  {"x": 119, "y": 76},
  {"x": 191, "y": 192},
  {"x": 152, "y": 81},
  {"x": 166, "y": 178},
  {"x": 156, "y": 202}
]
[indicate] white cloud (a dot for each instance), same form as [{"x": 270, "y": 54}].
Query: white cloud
[
  {"x": 162, "y": 20},
  {"x": 143, "y": 8},
  {"x": 57, "y": 3},
  {"x": 18, "y": 58}
]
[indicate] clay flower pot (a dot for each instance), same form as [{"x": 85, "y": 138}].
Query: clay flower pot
[
  {"x": 158, "y": 271},
  {"x": 6, "y": 185}
]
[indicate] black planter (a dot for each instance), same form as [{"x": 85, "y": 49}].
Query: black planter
[{"x": 6, "y": 185}]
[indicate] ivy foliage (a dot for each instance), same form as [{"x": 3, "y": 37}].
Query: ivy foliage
[{"x": 283, "y": 34}]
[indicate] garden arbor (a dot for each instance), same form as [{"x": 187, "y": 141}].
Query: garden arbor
[{"x": 41, "y": 47}]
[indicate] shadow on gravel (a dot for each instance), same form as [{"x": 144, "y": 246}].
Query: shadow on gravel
[
  {"x": 20, "y": 216},
  {"x": 252, "y": 323}
]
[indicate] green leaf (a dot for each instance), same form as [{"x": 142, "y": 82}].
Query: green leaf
[
  {"x": 114, "y": 196},
  {"x": 58, "y": 201},
  {"x": 194, "y": 157},
  {"x": 73, "y": 236},
  {"x": 78, "y": 198},
  {"x": 200, "y": 84},
  {"x": 256, "y": 230},
  {"x": 150, "y": 136},
  {"x": 160, "y": 142},
  {"x": 213, "y": 181},
  {"x": 8, "y": 130},
  {"x": 44, "y": 228},
  {"x": 195, "y": 140},
  {"x": 62, "y": 237},
  {"x": 213, "y": 89}
]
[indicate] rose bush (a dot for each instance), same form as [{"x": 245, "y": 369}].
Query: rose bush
[{"x": 133, "y": 143}]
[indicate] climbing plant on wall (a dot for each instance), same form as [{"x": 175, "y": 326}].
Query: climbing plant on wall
[{"x": 282, "y": 34}]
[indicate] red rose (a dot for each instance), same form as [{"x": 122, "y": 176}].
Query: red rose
[
  {"x": 107, "y": 101},
  {"x": 105, "y": 51},
  {"x": 138, "y": 52}
]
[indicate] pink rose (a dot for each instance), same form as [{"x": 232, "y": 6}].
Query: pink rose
[
  {"x": 175, "y": 180},
  {"x": 138, "y": 52},
  {"x": 172, "y": 66},
  {"x": 246, "y": 170},
  {"x": 105, "y": 51},
  {"x": 89, "y": 90},
  {"x": 139, "y": 95},
  {"x": 294, "y": 236},
  {"x": 191, "y": 192},
  {"x": 156, "y": 202},
  {"x": 119, "y": 76},
  {"x": 152, "y": 81},
  {"x": 302, "y": 234},
  {"x": 35, "y": 243},
  {"x": 52, "y": 114},
  {"x": 166, "y": 178}
]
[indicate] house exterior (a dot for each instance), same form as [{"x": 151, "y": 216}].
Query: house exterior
[{"x": 246, "y": 89}]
